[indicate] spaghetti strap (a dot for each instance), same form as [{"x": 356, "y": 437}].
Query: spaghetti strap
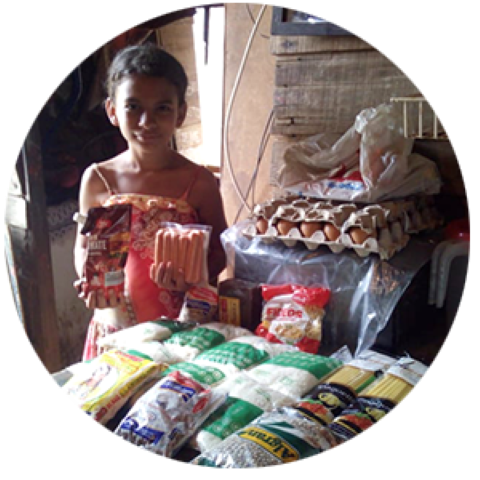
[
  {"x": 192, "y": 183},
  {"x": 102, "y": 177}
]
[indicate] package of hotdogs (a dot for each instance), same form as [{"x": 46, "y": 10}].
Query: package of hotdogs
[{"x": 185, "y": 247}]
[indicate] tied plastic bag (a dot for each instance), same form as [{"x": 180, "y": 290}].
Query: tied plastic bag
[{"x": 372, "y": 161}]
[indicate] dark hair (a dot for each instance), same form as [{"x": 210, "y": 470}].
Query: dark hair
[{"x": 147, "y": 59}]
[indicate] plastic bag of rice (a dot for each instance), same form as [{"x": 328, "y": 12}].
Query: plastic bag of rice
[
  {"x": 294, "y": 373},
  {"x": 241, "y": 354},
  {"x": 274, "y": 438},
  {"x": 168, "y": 414},
  {"x": 186, "y": 345},
  {"x": 156, "y": 351},
  {"x": 204, "y": 374},
  {"x": 157, "y": 330},
  {"x": 246, "y": 401}
]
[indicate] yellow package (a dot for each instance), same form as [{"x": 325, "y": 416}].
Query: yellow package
[{"x": 109, "y": 380}]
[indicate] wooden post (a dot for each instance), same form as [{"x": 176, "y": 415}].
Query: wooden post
[{"x": 30, "y": 255}]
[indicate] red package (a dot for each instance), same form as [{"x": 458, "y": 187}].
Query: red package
[
  {"x": 293, "y": 314},
  {"x": 108, "y": 238}
]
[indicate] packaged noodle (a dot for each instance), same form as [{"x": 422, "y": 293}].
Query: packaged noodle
[
  {"x": 168, "y": 414},
  {"x": 378, "y": 399},
  {"x": 340, "y": 389},
  {"x": 246, "y": 401},
  {"x": 107, "y": 230},
  {"x": 293, "y": 314},
  {"x": 104, "y": 384},
  {"x": 200, "y": 304}
]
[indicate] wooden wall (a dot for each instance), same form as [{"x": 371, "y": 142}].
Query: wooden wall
[
  {"x": 252, "y": 105},
  {"x": 314, "y": 84},
  {"x": 177, "y": 39}
]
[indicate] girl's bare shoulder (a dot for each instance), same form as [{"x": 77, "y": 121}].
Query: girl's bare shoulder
[{"x": 95, "y": 181}]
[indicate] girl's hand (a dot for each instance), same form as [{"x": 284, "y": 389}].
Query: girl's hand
[
  {"x": 166, "y": 277},
  {"x": 96, "y": 298}
]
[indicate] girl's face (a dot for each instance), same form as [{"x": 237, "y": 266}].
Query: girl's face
[{"x": 147, "y": 111}]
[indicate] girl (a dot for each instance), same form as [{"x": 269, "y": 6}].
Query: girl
[{"x": 146, "y": 101}]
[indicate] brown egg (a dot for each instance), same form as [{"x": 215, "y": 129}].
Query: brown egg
[
  {"x": 309, "y": 228},
  {"x": 331, "y": 232},
  {"x": 284, "y": 226},
  {"x": 358, "y": 235},
  {"x": 261, "y": 225}
]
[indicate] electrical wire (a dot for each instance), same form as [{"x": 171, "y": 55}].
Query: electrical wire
[
  {"x": 250, "y": 14},
  {"x": 261, "y": 151},
  {"x": 230, "y": 104}
]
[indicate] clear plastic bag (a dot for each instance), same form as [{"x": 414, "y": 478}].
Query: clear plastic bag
[
  {"x": 275, "y": 438},
  {"x": 371, "y": 162},
  {"x": 364, "y": 291},
  {"x": 247, "y": 399},
  {"x": 168, "y": 414}
]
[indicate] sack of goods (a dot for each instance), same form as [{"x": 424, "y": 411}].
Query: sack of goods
[
  {"x": 102, "y": 386},
  {"x": 246, "y": 401},
  {"x": 275, "y": 438},
  {"x": 293, "y": 314},
  {"x": 168, "y": 414},
  {"x": 291, "y": 434}
]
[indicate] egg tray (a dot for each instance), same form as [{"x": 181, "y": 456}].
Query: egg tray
[{"x": 387, "y": 225}]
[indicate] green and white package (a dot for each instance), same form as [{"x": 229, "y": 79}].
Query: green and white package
[{"x": 246, "y": 401}]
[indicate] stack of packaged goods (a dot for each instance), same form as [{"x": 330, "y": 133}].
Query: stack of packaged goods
[
  {"x": 237, "y": 400},
  {"x": 378, "y": 399},
  {"x": 322, "y": 420},
  {"x": 276, "y": 382}
]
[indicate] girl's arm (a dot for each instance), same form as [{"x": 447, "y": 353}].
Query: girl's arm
[
  {"x": 206, "y": 196},
  {"x": 92, "y": 193}
]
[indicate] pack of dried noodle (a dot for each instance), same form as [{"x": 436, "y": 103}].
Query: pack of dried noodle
[
  {"x": 293, "y": 314},
  {"x": 378, "y": 399}
]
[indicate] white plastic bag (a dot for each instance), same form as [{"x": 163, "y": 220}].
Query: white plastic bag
[
  {"x": 168, "y": 414},
  {"x": 372, "y": 161}
]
